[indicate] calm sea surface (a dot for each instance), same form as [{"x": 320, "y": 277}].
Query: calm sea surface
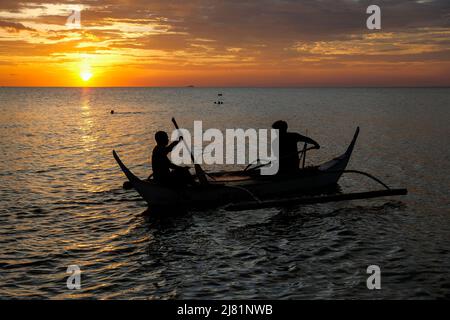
[{"x": 61, "y": 201}]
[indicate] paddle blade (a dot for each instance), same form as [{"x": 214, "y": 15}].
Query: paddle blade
[
  {"x": 200, "y": 174},
  {"x": 175, "y": 123}
]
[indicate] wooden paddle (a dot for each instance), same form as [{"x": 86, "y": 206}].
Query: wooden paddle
[{"x": 198, "y": 170}]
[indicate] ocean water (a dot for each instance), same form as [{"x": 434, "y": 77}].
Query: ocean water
[{"x": 61, "y": 201}]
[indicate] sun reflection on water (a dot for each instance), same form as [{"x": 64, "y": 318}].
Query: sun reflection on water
[
  {"x": 87, "y": 121},
  {"x": 89, "y": 141}
]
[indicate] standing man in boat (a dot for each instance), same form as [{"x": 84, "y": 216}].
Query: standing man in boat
[
  {"x": 289, "y": 160},
  {"x": 164, "y": 171}
]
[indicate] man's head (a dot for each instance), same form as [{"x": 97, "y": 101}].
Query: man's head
[
  {"x": 280, "y": 125},
  {"x": 162, "y": 139}
]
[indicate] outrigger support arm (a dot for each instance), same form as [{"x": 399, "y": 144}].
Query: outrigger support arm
[
  {"x": 364, "y": 174},
  {"x": 320, "y": 199}
]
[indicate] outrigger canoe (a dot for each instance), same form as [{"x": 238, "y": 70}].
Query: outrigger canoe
[{"x": 240, "y": 186}]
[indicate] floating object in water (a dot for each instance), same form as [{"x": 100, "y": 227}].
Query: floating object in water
[
  {"x": 219, "y": 101},
  {"x": 112, "y": 111}
]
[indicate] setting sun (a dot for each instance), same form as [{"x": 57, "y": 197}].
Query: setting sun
[{"x": 86, "y": 75}]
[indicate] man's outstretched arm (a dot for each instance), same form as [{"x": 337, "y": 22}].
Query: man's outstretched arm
[{"x": 170, "y": 147}]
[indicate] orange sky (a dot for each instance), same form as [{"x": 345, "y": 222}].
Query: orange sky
[{"x": 224, "y": 43}]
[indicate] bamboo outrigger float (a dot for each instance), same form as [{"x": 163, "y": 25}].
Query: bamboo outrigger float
[{"x": 242, "y": 190}]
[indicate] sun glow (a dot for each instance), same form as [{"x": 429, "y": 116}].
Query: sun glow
[{"x": 86, "y": 75}]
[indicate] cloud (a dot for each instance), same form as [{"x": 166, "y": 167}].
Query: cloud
[
  {"x": 201, "y": 34},
  {"x": 14, "y": 26}
]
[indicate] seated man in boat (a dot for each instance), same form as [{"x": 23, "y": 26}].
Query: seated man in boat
[
  {"x": 288, "y": 156},
  {"x": 164, "y": 171}
]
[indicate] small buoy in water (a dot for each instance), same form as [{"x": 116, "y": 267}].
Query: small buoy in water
[{"x": 112, "y": 111}]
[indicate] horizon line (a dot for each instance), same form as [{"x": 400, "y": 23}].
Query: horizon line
[{"x": 231, "y": 87}]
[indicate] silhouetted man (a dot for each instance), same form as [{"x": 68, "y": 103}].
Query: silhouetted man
[
  {"x": 164, "y": 171},
  {"x": 288, "y": 157}
]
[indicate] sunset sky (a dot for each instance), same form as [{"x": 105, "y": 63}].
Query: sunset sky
[{"x": 224, "y": 43}]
